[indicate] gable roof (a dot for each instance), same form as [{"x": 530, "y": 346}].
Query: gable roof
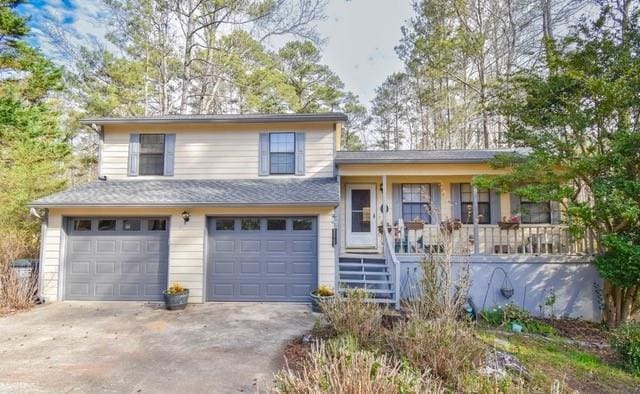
[
  {"x": 173, "y": 192},
  {"x": 219, "y": 118},
  {"x": 420, "y": 156}
]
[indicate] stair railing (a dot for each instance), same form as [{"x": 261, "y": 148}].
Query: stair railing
[{"x": 391, "y": 259}]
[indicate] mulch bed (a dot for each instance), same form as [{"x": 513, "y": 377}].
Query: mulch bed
[
  {"x": 295, "y": 352},
  {"x": 579, "y": 330}
]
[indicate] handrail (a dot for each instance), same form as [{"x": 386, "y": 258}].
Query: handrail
[{"x": 390, "y": 256}]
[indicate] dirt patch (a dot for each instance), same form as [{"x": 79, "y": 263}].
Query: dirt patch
[
  {"x": 296, "y": 351},
  {"x": 579, "y": 330}
]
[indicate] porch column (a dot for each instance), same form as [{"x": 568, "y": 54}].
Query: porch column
[
  {"x": 385, "y": 207},
  {"x": 476, "y": 229}
]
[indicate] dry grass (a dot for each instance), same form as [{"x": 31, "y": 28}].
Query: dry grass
[
  {"x": 340, "y": 367},
  {"x": 15, "y": 293},
  {"x": 351, "y": 314},
  {"x": 446, "y": 348}
]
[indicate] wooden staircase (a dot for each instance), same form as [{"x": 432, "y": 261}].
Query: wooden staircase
[{"x": 368, "y": 272}]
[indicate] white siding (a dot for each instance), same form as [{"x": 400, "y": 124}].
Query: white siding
[
  {"x": 51, "y": 258},
  {"x": 218, "y": 154},
  {"x": 186, "y": 254}
]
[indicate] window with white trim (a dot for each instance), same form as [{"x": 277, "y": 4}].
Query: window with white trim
[{"x": 282, "y": 153}]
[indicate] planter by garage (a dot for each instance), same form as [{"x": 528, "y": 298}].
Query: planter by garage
[
  {"x": 176, "y": 301},
  {"x": 316, "y": 301}
]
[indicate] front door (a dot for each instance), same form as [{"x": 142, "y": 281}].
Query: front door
[{"x": 361, "y": 216}]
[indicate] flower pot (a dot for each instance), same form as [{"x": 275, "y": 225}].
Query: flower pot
[
  {"x": 414, "y": 225},
  {"x": 316, "y": 300},
  {"x": 509, "y": 225},
  {"x": 506, "y": 292},
  {"x": 177, "y": 301}
]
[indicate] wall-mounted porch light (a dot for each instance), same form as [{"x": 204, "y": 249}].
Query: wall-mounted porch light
[{"x": 186, "y": 216}]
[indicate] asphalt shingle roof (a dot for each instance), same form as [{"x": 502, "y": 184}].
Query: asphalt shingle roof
[
  {"x": 173, "y": 192},
  {"x": 221, "y": 118},
  {"x": 421, "y": 156}
]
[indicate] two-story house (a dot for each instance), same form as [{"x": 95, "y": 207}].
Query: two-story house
[{"x": 267, "y": 207}]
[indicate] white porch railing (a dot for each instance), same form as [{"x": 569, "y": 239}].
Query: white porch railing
[{"x": 533, "y": 240}]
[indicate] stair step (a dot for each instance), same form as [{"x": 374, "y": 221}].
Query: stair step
[
  {"x": 360, "y": 261},
  {"x": 364, "y": 273},
  {"x": 367, "y": 281},
  {"x": 365, "y": 265}
]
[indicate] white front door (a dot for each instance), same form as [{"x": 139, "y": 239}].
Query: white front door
[{"x": 361, "y": 216}]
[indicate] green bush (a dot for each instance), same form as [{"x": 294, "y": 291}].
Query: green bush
[
  {"x": 625, "y": 340},
  {"x": 504, "y": 317}
]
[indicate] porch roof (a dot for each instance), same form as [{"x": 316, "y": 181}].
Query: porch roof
[{"x": 462, "y": 156}]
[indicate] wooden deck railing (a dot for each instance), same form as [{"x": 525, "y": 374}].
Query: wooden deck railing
[{"x": 531, "y": 240}]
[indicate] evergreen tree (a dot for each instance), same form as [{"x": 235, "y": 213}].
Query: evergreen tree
[{"x": 33, "y": 149}]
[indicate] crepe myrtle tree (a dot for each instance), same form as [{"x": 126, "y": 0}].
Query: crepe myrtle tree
[{"x": 580, "y": 125}]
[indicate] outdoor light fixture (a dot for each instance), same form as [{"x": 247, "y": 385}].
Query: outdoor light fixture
[{"x": 186, "y": 216}]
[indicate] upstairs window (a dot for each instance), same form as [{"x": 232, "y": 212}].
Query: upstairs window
[
  {"x": 282, "y": 153},
  {"x": 416, "y": 202},
  {"x": 152, "y": 154},
  {"x": 466, "y": 205}
]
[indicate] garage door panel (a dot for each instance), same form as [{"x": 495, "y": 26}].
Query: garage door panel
[
  {"x": 116, "y": 265},
  {"x": 264, "y": 265},
  {"x": 80, "y": 246}
]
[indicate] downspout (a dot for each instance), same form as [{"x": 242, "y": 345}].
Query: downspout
[{"x": 44, "y": 221}]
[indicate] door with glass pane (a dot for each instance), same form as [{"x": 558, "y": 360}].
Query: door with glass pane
[{"x": 361, "y": 216}]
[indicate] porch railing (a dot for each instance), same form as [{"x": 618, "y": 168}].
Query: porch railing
[{"x": 532, "y": 240}]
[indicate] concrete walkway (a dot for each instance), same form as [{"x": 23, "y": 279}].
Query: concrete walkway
[{"x": 137, "y": 347}]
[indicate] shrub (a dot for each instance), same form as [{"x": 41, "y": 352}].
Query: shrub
[
  {"x": 175, "y": 288},
  {"x": 15, "y": 292},
  {"x": 625, "y": 340},
  {"x": 499, "y": 316},
  {"x": 324, "y": 291},
  {"x": 338, "y": 366},
  {"x": 352, "y": 314},
  {"x": 446, "y": 348}
]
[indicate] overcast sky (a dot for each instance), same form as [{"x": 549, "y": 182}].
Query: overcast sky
[{"x": 360, "y": 34}]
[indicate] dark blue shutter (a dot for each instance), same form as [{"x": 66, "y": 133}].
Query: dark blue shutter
[
  {"x": 455, "y": 201},
  {"x": 169, "y": 154},
  {"x": 494, "y": 203},
  {"x": 396, "y": 204},
  {"x": 515, "y": 205},
  {"x": 555, "y": 212},
  {"x": 300, "y": 153},
  {"x": 134, "y": 154},
  {"x": 436, "y": 206},
  {"x": 263, "y": 152}
]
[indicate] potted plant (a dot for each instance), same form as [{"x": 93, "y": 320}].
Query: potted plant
[
  {"x": 323, "y": 293},
  {"x": 176, "y": 297},
  {"x": 450, "y": 225},
  {"x": 416, "y": 224},
  {"x": 512, "y": 223}
]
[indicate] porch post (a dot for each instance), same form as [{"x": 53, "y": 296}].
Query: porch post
[
  {"x": 385, "y": 207},
  {"x": 476, "y": 229}
]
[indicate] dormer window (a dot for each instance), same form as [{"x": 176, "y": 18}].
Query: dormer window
[
  {"x": 151, "y": 154},
  {"x": 282, "y": 153}
]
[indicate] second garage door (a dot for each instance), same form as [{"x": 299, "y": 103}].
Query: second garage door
[{"x": 261, "y": 258}]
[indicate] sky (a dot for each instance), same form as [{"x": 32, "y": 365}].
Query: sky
[{"x": 359, "y": 35}]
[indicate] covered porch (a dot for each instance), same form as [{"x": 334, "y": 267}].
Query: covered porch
[{"x": 446, "y": 213}]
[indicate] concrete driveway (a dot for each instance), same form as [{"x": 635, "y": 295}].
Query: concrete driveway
[{"x": 136, "y": 347}]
